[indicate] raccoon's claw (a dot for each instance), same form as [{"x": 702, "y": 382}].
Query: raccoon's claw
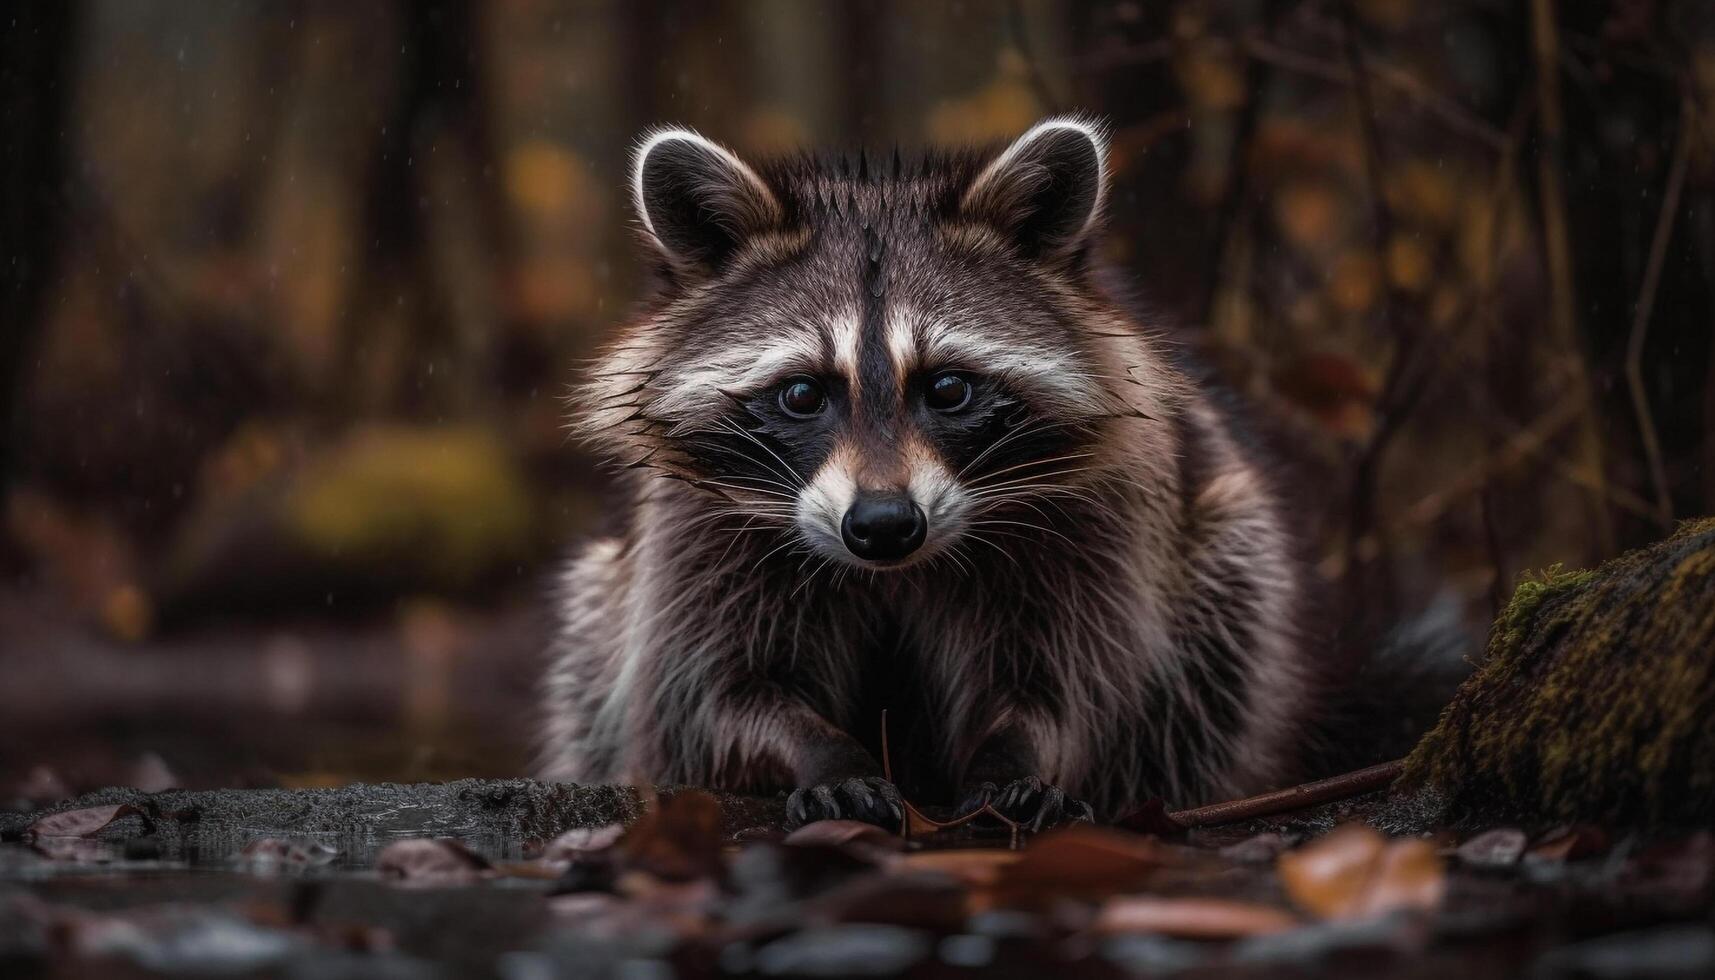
[
  {"x": 867, "y": 798},
  {"x": 1030, "y": 802}
]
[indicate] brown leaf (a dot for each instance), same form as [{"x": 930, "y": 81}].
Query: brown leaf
[
  {"x": 677, "y": 839},
  {"x": 1676, "y": 867},
  {"x": 1151, "y": 818},
  {"x": 837, "y": 832},
  {"x": 1080, "y": 861},
  {"x": 1191, "y": 918},
  {"x": 278, "y": 852},
  {"x": 431, "y": 861},
  {"x": 973, "y": 865},
  {"x": 1355, "y": 873},
  {"x": 1568, "y": 843},
  {"x": 1256, "y": 849},
  {"x": 78, "y": 823},
  {"x": 850, "y": 835},
  {"x": 42, "y": 787},
  {"x": 151, "y": 774},
  {"x": 74, "y": 850},
  {"x": 1498, "y": 848},
  {"x": 582, "y": 842}
]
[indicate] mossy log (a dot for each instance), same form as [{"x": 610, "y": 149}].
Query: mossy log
[{"x": 1595, "y": 699}]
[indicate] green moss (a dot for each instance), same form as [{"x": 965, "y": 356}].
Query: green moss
[
  {"x": 449, "y": 504},
  {"x": 1595, "y": 698}
]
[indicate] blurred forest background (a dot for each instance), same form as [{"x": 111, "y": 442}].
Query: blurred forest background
[{"x": 291, "y": 292}]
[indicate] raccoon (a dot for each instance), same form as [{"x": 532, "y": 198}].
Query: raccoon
[{"x": 890, "y": 444}]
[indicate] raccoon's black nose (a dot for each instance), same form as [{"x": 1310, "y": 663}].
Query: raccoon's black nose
[{"x": 883, "y": 528}]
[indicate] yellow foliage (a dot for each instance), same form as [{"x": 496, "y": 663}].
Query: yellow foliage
[
  {"x": 1408, "y": 263},
  {"x": 999, "y": 110},
  {"x": 449, "y": 502},
  {"x": 771, "y": 130},
  {"x": 1425, "y": 192},
  {"x": 1390, "y": 14},
  {"x": 1355, "y": 282},
  {"x": 1211, "y": 77},
  {"x": 544, "y": 177},
  {"x": 128, "y": 613},
  {"x": 1307, "y": 213}
]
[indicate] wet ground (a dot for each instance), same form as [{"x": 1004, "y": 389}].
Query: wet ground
[
  {"x": 316, "y": 867},
  {"x": 518, "y": 879}
]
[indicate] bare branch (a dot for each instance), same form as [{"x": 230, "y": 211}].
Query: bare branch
[
  {"x": 1557, "y": 243},
  {"x": 1646, "y": 306}
]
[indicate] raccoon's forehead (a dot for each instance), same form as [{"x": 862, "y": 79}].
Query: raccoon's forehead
[{"x": 873, "y": 307}]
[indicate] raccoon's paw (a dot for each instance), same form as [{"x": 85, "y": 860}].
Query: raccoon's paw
[
  {"x": 867, "y": 798},
  {"x": 1030, "y": 802}
]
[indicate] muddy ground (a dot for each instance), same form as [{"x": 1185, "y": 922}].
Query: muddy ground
[{"x": 289, "y": 855}]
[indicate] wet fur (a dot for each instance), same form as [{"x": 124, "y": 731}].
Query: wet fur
[{"x": 1133, "y": 633}]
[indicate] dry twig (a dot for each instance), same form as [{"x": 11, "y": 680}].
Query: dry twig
[
  {"x": 1646, "y": 307},
  {"x": 1557, "y": 243},
  {"x": 1299, "y": 797}
]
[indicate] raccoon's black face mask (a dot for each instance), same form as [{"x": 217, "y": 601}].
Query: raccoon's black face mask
[{"x": 893, "y": 357}]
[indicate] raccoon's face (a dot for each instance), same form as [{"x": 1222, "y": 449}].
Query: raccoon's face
[{"x": 893, "y": 360}]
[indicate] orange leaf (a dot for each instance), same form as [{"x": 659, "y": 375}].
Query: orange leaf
[
  {"x": 1355, "y": 873},
  {"x": 1191, "y": 918}
]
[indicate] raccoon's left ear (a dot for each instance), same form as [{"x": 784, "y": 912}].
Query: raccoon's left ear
[
  {"x": 698, "y": 201},
  {"x": 1046, "y": 190}
]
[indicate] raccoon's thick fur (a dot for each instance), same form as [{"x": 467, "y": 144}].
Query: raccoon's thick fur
[{"x": 888, "y": 443}]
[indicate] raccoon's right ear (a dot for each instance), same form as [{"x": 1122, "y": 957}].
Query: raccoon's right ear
[
  {"x": 1046, "y": 190},
  {"x": 697, "y": 201}
]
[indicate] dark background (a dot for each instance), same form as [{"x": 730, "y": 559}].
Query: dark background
[{"x": 291, "y": 293}]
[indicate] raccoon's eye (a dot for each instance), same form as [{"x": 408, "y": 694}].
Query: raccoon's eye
[
  {"x": 948, "y": 393},
  {"x": 802, "y": 398}
]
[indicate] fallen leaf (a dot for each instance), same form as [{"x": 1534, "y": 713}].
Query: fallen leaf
[
  {"x": 1569, "y": 843},
  {"x": 678, "y": 838},
  {"x": 1676, "y": 867},
  {"x": 151, "y": 774},
  {"x": 78, "y": 823},
  {"x": 431, "y": 861},
  {"x": 75, "y": 850},
  {"x": 42, "y": 787},
  {"x": 1355, "y": 873},
  {"x": 1257, "y": 849},
  {"x": 1151, "y": 818},
  {"x": 916, "y": 900},
  {"x": 974, "y": 866},
  {"x": 581, "y": 842},
  {"x": 1191, "y": 918},
  {"x": 1080, "y": 861},
  {"x": 1498, "y": 848},
  {"x": 837, "y": 833},
  {"x": 273, "y": 853},
  {"x": 854, "y": 837}
]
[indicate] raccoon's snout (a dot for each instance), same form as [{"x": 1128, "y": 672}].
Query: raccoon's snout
[{"x": 883, "y": 528}]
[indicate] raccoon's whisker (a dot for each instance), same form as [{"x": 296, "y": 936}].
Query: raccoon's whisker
[
  {"x": 791, "y": 489},
  {"x": 809, "y": 578},
  {"x": 740, "y": 453},
  {"x": 1030, "y": 425},
  {"x": 983, "y": 539},
  {"x": 752, "y": 437},
  {"x": 1026, "y": 524},
  {"x": 736, "y": 532},
  {"x": 981, "y": 480},
  {"x": 953, "y": 558},
  {"x": 1046, "y": 494},
  {"x": 789, "y": 543},
  {"x": 1003, "y": 485},
  {"x": 740, "y": 486},
  {"x": 996, "y": 503},
  {"x": 729, "y": 428}
]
